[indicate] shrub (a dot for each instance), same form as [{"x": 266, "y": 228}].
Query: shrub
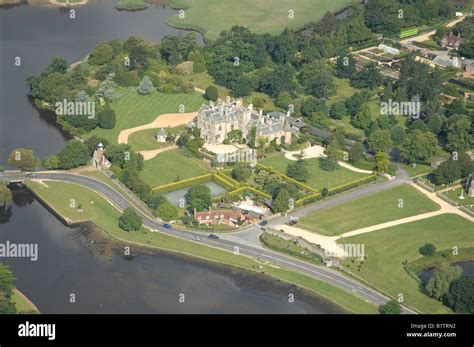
[
  {"x": 131, "y": 5},
  {"x": 107, "y": 118},
  {"x": 129, "y": 220},
  {"x": 185, "y": 68},
  {"x": 211, "y": 94},
  {"x": 166, "y": 211},
  {"x": 428, "y": 249},
  {"x": 391, "y": 307}
]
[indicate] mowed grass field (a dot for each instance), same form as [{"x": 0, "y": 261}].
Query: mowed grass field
[
  {"x": 146, "y": 139},
  {"x": 370, "y": 210},
  {"x": 133, "y": 109},
  {"x": 319, "y": 178},
  {"x": 261, "y": 16},
  {"x": 105, "y": 216},
  {"x": 167, "y": 166},
  {"x": 387, "y": 249}
]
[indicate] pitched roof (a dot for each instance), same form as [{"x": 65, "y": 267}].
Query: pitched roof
[{"x": 162, "y": 132}]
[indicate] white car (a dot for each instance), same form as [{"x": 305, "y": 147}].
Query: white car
[{"x": 196, "y": 238}]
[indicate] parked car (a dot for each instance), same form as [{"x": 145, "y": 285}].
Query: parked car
[
  {"x": 196, "y": 238},
  {"x": 31, "y": 175},
  {"x": 166, "y": 226},
  {"x": 213, "y": 237},
  {"x": 263, "y": 223}
]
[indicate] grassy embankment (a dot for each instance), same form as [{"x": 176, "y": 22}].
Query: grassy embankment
[
  {"x": 223, "y": 14},
  {"x": 387, "y": 250},
  {"x": 370, "y": 210},
  {"x": 105, "y": 216}
]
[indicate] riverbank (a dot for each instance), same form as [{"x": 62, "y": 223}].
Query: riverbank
[
  {"x": 23, "y": 304},
  {"x": 105, "y": 215}
]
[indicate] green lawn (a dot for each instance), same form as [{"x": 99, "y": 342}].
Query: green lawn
[
  {"x": 343, "y": 91},
  {"x": 22, "y": 303},
  {"x": 387, "y": 249},
  {"x": 133, "y": 109},
  {"x": 212, "y": 16},
  {"x": 370, "y": 210},
  {"x": 165, "y": 167},
  {"x": 105, "y": 216},
  {"x": 146, "y": 139},
  {"x": 319, "y": 178}
]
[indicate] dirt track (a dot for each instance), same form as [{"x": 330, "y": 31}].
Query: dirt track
[{"x": 163, "y": 121}]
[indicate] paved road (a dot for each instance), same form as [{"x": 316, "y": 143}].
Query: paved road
[{"x": 235, "y": 245}]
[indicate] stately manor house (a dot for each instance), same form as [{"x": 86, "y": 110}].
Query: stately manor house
[{"x": 217, "y": 120}]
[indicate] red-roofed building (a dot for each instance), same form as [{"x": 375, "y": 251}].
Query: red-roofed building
[{"x": 226, "y": 217}]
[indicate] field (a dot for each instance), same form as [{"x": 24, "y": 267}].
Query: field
[
  {"x": 146, "y": 139},
  {"x": 418, "y": 170},
  {"x": 133, "y": 109},
  {"x": 223, "y": 14},
  {"x": 105, "y": 216},
  {"x": 454, "y": 195},
  {"x": 387, "y": 249},
  {"x": 319, "y": 178},
  {"x": 370, "y": 210},
  {"x": 167, "y": 166}
]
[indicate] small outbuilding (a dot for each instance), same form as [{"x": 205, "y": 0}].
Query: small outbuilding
[{"x": 161, "y": 136}]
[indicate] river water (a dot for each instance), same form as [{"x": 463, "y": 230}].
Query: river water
[{"x": 79, "y": 261}]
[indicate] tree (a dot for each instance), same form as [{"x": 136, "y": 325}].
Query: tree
[
  {"x": 129, "y": 220},
  {"x": 356, "y": 152},
  {"x": 166, "y": 211},
  {"x": 448, "y": 172},
  {"x": 6, "y": 197},
  {"x": 381, "y": 16},
  {"x": 438, "y": 285},
  {"x": 211, "y": 94},
  {"x": 330, "y": 162},
  {"x": 107, "y": 89},
  {"x": 82, "y": 96},
  {"x": 312, "y": 104},
  {"x": 107, "y": 118},
  {"x": 281, "y": 202},
  {"x": 74, "y": 154},
  {"x": 345, "y": 65},
  {"x": 283, "y": 47},
  {"x": 93, "y": 142},
  {"x": 379, "y": 141},
  {"x": 428, "y": 249},
  {"x": 298, "y": 171},
  {"x": 369, "y": 77},
  {"x": 199, "y": 63},
  {"x": 199, "y": 197},
  {"x": 397, "y": 135},
  {"x": 382, "y": 162},
  {"x": 338, "y": 110},
  {"x": 459, "y": 137},
  {"x": 318, "y": 80},
  {"x": 461, "y": 295},
  {"x": 241, "y": 172},
  {"x": 363, "y": 118},
  {"x": 278, "y": 80},
  {"x": 58, "y": 64},
  {"x": 419, "y": 146},
  {"x": 7, "y": 306},
  {"x": 50, "y": 162},
  {"x": 146, "y": 86},
  {"x": 391, "y": 307},
  {"x": 101, "y": 54},
  {"x": 23, "y": 159}
]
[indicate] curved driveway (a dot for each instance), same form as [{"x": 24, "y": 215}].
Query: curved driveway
[{"x": 232, "y": 242}]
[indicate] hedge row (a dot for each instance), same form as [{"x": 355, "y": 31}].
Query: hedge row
[
  {"x": 228, "y": 179},
  {"x": 312, "y": 198},
  {"x": 352, "y": 184},
  {"x": 222, "y": 182},
  {"x": 183, "y": 184},
  {"x": 253, "y": 190},
  {"x": 287, "y": 179}
]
